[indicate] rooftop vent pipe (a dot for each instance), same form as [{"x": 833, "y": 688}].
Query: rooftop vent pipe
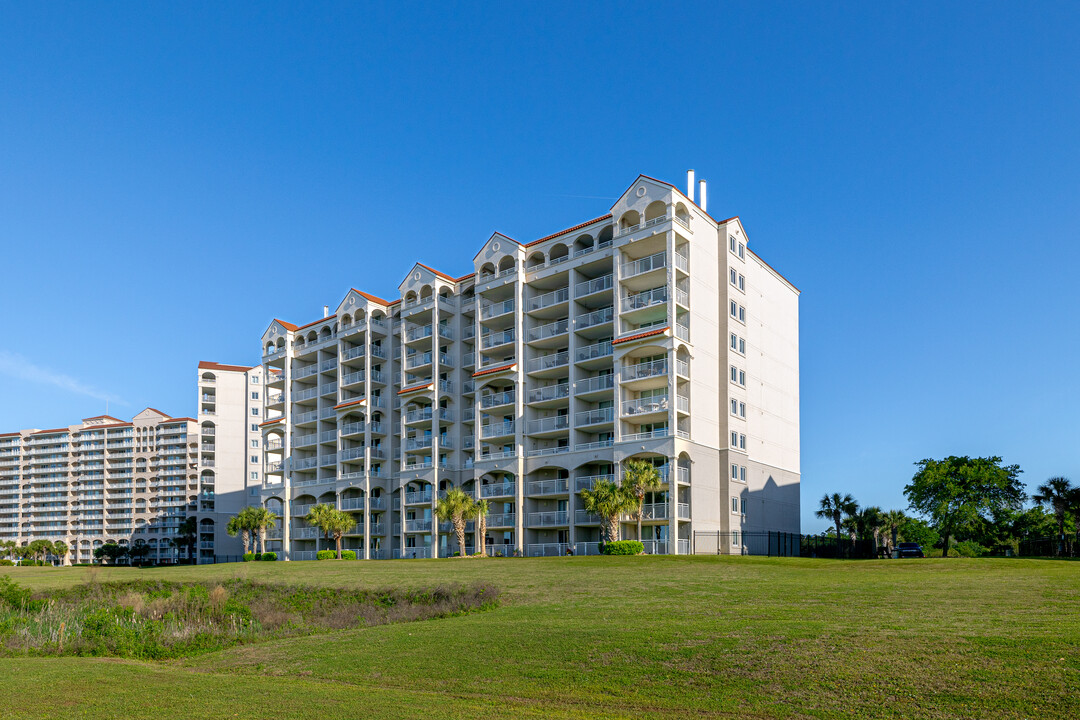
[
  {"x": 701, "y": 196},
  {"x": 690, "y": 185},
  {"x": 326, "y": 311}
]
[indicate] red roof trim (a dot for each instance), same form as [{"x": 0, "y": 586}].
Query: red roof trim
[
  {"x": 207, "y": 365},
  {"x": 350, "y": 403},
  {"x": 372, "y": 298},
  {"x": 287, "y": 325},
  {"x": 103, "y": 417},
  {"x": 329, "y": 318},
  {"x": 163, "y": 414},
  {"x": 437, "y": 272},
  {"x": 493, "y": 370},
  {"x": 9, "y": 434},
  {"x": 414, "y": 388},
  {"x": 50, "y": 432},
  {"x": 271, "y": 422},
  {"x": 569, "y": 230},
  {"x": 110, "y": 425},
  {"x": 650, "y": 333},
  {"x": 172, "y": 421}
]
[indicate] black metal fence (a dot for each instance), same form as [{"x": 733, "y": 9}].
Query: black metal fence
[
  {"x": 782, "y": 544},
  {"x": 1069, "y": 546}
]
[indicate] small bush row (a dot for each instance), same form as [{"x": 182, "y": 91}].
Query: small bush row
[
  {"x": 249, "y": 557},
  {"x": 332, "y": 555},
  {"x": 624, "y": 547}
]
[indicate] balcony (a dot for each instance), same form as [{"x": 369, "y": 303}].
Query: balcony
[
  {"x": 594, "y": 417},
  {"x": 653, "y": 368},
  {"x": 418, "y": 497},
  {"x": 550, "y": 330},
  {"x": 548, "y": 424},
  {"x": 555, "y": 297},
  {"x": 498, "y": 490},
  {"x": 644, "y": 265},
  {"x": 548, "y": 362},
  {"x": 595, "y": 384},
  {"x": 649, "y": 435},
  {"x": 555, "y": 486},
  {"x": 496, "y": 339},
  {"x": 418, "y": 526},
  {"x": 547, "y": 549},
  {"x": 497, "y": 399},
  {"x": 596, "y": 285},
  {"x": 494, "y": 430},
  {"x": 494, "y": 310},
  {"x": 548, "y": 519},
  {"x": 417, "y": 333},
  {"x": 587, "y": 482},
  {"x": 645, "y": 299},
  {"x": 417, "y": 360},
  {"x": 499, "y": 520},
  {"x": 645, "y": 406},
  {"x": 602, "y": 316},
  {"x": 550, "y": 392}
]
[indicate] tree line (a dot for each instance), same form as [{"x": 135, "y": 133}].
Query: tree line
[{"x": 976, "y": 503}]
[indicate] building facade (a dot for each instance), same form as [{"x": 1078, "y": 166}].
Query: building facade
[
  {"x": 135, "y": 483},
  {"x": 650, "y": 332}
]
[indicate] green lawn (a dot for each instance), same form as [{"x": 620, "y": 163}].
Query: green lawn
[{"x": 621, "y": 637}]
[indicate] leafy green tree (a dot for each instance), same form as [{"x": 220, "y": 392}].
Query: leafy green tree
[
  {"x": 139, "y": 551},
  {"x": 609, "y": 501},
  {"x": 640, "y": 477},
  {"x": 836, "y": 507},
  {"x": 956, "y": 492},
  {"x": 240, "y": 524},
  {"x": 263, "y": 519},
  {"x": 919, "y": 531},
  {"x": 60, "y": 550},
  {"x": 110, "y": 551},
  {"x": 483, "y": 507},
  {"x": 40, "y": 549},
  {"x": 1060, "y": 496},
  {"x": 340, "y": 522},
  {"x": 320, "y": 516},
  {"x": 458, "y": 507}
]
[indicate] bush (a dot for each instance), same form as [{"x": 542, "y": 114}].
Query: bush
[
  {"x": 348, "y": 554},
  {"x": 624, "y": 547},
  {"x": 326, "y": 555},
  {"x": 269, "y": 556},
  {"x": 258, "y": 556},
  {"x": 6, "y": 563},
  {"x": 969, "y": 548},
  {"x": 248, "y": 557}
]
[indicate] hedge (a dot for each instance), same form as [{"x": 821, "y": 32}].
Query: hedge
[
  {"x": 269, "y": 556},
  {"x": 348, "y": 554},
  {"x": 624, "y": 547},
  {"x": 326, "y": 555},
  {"x": 248, "y": 557}
]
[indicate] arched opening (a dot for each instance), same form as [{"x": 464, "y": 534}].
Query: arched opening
[
  {"x": 487, "y": 271},
  {"x": 536, "y": 260},
  {"x": 506, "y": 265},
  {"x": 559, "y": 253},
  {"x": 656, "y": 209},
  {"x": 425, "y": 293},
  {"x": 629, "y": 219},
  {"x": 682, "y": 214},
  {"x": 583, "y": 244}
]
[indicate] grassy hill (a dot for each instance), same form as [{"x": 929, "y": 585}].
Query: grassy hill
[{"x": 591, "y": 637}]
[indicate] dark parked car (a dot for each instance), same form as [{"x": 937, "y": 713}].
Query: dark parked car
[{"x": 909, "y": 550}]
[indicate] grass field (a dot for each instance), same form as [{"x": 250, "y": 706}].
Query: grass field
[{"x": 613, "y": 637}]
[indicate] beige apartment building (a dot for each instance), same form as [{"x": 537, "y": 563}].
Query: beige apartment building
[
  {"x": 104, "y": 479},
  {"x": 652, "y": 331}
]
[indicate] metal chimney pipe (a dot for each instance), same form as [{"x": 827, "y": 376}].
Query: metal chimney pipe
[
  {"x": 690, "y": 185},
  {"x": 701, "y": 196},
  {"x": 326, "y": 311}
]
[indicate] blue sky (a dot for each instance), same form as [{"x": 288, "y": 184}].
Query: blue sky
[{"x": 174, "y": 176}]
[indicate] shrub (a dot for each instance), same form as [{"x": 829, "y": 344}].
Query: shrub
[
  {"x": 269, "y": 556},
  {"x": 325, "y": 555},
  {"x": 624, "y": 547},
  {"x": 969, "y": 548},
  {"x": 248, "y": 557},
  {"x": 258, "y": 556},
  {"x": 6, "y": 563},
  {"x": 348, "y": 554}
]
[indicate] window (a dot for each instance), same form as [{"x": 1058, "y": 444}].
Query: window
[
  {"x": 254, "y": 458},
  {"x": 738, "y": 344},
  {"x": 255, "y": 412},
  {"x": 734, "y": 504},
  {"x": 742, "y": 474},
  {"x": 742, "y": 251},
  {"x": 254, "y": 427},
  {"x": 738, "y": 441},
  {"x": 254, "y": 394},
  {"x": 734, "y": 472},
  {"x": 734, "y": 406},
  {"x": 733, "y": 276},
  {"x": 254, "y": 476},
  {"x": 742, "y": 409},
  {"x": 742, "y": 441},
  {"x": 738, "y": 376},
  {"x": 738, "y": 311},
  {"x": 742, "y": 282},
  {"x": 254, "y": 379},
  {"x": 732, "y": 242},
  {"x": 742, "y": 506},
  {"x": 255, "y": 444}
]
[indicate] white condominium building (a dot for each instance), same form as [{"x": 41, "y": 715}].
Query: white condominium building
[
  {"x": 650, "y": 332},
  {"x": 231, "y": 400},
  {"x": 135, "y": 483}
]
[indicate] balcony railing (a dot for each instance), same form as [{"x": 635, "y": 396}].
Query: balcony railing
[
  {"x": 592, "y": 319},
  {"x": 496, "y": 309},
  {"x": 498, "y": 490},
  {"x": 595, "y": 416},
  {"x": 417, "y": 360},
  {"x": 682, "y": 332},
  {"x": 418, "y": 497},
  {"x": 496, "y": 399},
  {"x": 415, "y": 526},
  {"x": 559, "y": 327},
  {"x": 589, "y": 287},
  {"x": 548, "y": 424},
  {"x": 645, "y": 405},
  {"x": 596, "y": 384},
  {"x": 653, "y": 368},
  {"x": 549, "y": 392},
  {"x": 644, "y": 265},
  {"x": 554, "y": 486},
  {"x": 547, "y": 519},
  {"x": 547, "y": 362},
  {"x": 548, "y": 299},
  {"x": 587, "y": 482},
  {"x": 495, "y": 339},
  {"x": 547, "y": 549},
  {"x": 501, "y": 520},
  {"x": 645, "y": 299},
  {"x": 497, "y": 429}
]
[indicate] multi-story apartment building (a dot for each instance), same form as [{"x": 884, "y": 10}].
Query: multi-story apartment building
[
  {"x": 650, "y": 332},
  {"x": 105, "y": 480},
  {"x": 231, "y": 400}
]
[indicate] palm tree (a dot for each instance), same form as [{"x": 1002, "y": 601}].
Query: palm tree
[
  {"x": 60, "y": 550},
  {"x": 457, "y": 506},
  {"x": 640, "y": 477},
  {"x": 187, "y": 538},
  {"x": 891, "y": 522},
  {"x": 609, "y": 501},
  {"x": 263, "y": 519},
  {"x": 320, "y": 516},
  {"x": 339, "y": 523},
  {"x": 835, "y": 507},
  {"x": 240, "y": 524},
  {"x": 483, "y": 507},
  {"x": 1060, "y": 495}
]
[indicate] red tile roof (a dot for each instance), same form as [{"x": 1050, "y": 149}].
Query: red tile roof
[
  {"x": 271, "y": 422},
  {"x": 9, "y": 434},
  {"x": 173, "y": 421},
  {"x": 638, "y": 336},
  {"x": 207, "y": 365},
  {"x": 569, "y": 230},
  {"x": 440, "y": 274},
  {"x": 158, "y": 412},
  {"x": 493, "y": 370},
  {"x": 372, "y": 298},
  {"x": 350, "y": 403},
  {"x": 414, "y": 388},
  {"x": 286, "y": 325},
  {"x": 328, "y": 318},
  {"x": 103, "y": 417},
  {"x": 50, "y": 432}
]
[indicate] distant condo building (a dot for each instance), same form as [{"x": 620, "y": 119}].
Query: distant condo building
[
  {"x": 650, "y": 332},
  {"x": 107, "y": 480}
]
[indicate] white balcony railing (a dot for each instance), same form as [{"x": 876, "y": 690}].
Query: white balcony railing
[
  {"x": 547, "y": 362},
  {"x": 554, "y": 297},
  {"x": 549, "y": 392},
  {"x": 652, "y": 368},
  {"x": 590, "y": 287},
  {"x": 596, "y": 384},
  {"x": 548, "y": 424},
  {"x": 644, "y": 265},
  {"x": 595, "y": 416},
  {"x": 647, "y": 298}
]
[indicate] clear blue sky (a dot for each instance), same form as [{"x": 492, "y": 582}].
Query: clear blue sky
[{"x": 174, "y": 176}]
